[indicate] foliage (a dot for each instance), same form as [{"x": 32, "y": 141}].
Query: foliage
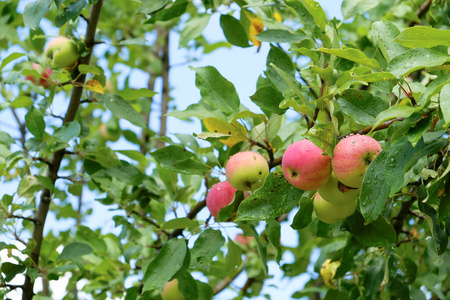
[{"x": 382, "y": 71}]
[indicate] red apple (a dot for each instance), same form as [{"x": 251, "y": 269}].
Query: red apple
[
  {"x": 243, "y": 239},
  {"x": 171, "y": 291},
  {"x": 330, "y": 213},
  {"x": 246, "y": 171},
  {"x": 336, "y": 192},
  {"x": 305, "y": 166},
  {"x": 351, "y": 158},
  {"x": 44, "y": 75},
  {"x": 220, "y": 195}
]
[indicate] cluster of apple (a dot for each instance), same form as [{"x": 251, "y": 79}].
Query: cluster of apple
[
  {"x": 61, "y": 53},
  {"x": 245, "y": 171},
  {"x": 337, "y": 180}
]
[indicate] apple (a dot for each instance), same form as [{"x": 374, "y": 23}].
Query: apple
[
  {"x": 352, "y": 157},
  {"x": 62, "y": 53},
  {"x": 171, "y": 291},
  {"x": 336, "y": 192},
  {"x": 305, "y": 166},
  {"x": 220, "y": 195},
  {"x": 328, "y": 270},
  {"x": 330, "y": 213},
  {"x": 43, "y": 78},
  {"x": 243, "y": 239},
  {"x": 246, "y": 171}
]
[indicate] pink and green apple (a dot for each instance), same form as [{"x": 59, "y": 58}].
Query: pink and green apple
[
  {"x": 243, "y": 239},
  {"x": 305, "y": 166},
  {"x": 330, "y": 213},
  {"x": 43, "y": 78},
  {"x": 62, "y": 53},
  {"x": 246, "y": 171},
  {"x": 336, "y": 192},
  {"x": 352, "y": 157},
  {"x": 171, "y": 291},
  {"x": 219, "y": 195}
]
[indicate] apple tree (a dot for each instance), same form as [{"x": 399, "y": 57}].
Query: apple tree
[{"x": 359, "y": 106}]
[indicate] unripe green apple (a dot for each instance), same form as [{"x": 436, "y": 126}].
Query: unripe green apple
[
  {"x": 352, "y": 157},
  {"x": 44, "y": 75},
  {"x": 246, "y": 171},
  {"x": 62, "y": 53},
  {"x": 330, "y": 213},
  {"x": 305, "y": 167},
  {"x": 337, "y": 193},
  {"x": 171, "y": 291},
  {"x": 220, "y": 195}
]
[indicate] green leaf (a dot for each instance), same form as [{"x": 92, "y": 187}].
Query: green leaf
[
  {"x": 352, "y": 54},
  {"x": 374, "y": 274},
  {"x": 323, "y": 136},
  {"x": 121, "y": 109},
  {"x": 85, "y": 69},
  {"x": 379, "y": 233},
  {"x": 180, "y": 160},
  {"x": 348, "y": 253},
  {"x": 28, "y": 186},
  {"x": 130, "y": 94},
  {"x": 199, "y": 110},
  {"x": 281, "y": 36},
  {"x": 165, "y": 265},
  {"x": 304, "y": 215},
  {"x": 35, "y": 123},
  {"x": 93, "y": 238},
  {"x": 281, "y": 72},
  {"x": 384, "y": 33},
  {"x": 193, "y": 28},
  {"x": 432, "y": 89},
  {"x": 362, "y": 106},
  {"x": 173, "y": 11},
  {"x": 207, "y": 245},
  {"x": 179, "y": 223},
  {"x": 216, "y": 90},
  {"x": 34, "y": 12},
  {"x": 273, "y": 229},
  {"x": 439, "y": 232},
  {"x": 268, "y": 99},
  {"x": 423, "y": 36},
  {"x": 11, "y": 270},
  {"x": 10, "y": 58},
  {"x": 67, "y": 132},
  {"x": 444, "y": 101},
  {"x": 353, "y": 8},
  {"x": 75, "y": 250},
  {"x": 234, "y": 31},
  {"x": 187, "y": 286},
  {"x": 300, "y": 11},
  {"x": 233, "y": 258},
  {"x": 5, "y": 138},
  {"x": 415, "y": 59},
  {"x": 274, "y": 198},
  {"x": 397, "y": 111},
  {"x": 70, "y": 12},
  {"x": 22, "y": 101},
  {"x": 126, "y": 173},
  {"x": 317, "y": 12},
  {"x": 150, "y": 6}
]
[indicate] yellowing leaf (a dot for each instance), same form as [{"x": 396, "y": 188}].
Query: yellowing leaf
[
  {"x": 256, "y": 26},
  {"x": 94, "y": 86},
  {"x": 277, "y": 17},
  {"x": 236, "y": 130}
]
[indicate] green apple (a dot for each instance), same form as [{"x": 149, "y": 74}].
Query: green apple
[
  {"x": 246, "y": 171},
  {"x": 336, "y": 192},
  {"x": 305, "y": 166},
  {"x": 62, "y": 53},
  {"x": 330, "y": 213},
  {"x": 171, "y": 291},
  {"x": 352, "y": 157}
]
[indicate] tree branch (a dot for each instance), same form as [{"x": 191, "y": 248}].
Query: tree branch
[
  {"x": 165, "y": 86},
  {"x": 420, "y": 12},
  {"x": 46, "y": 195}
]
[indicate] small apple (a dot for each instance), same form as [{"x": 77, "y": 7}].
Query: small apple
[
  {"x": 43, "y": 78},
  {"x": 171, "y": 291},
  {"x": 305, "y": 167},
  {"x": 330, "y": 213},
  {"x": 351, "y": 158},
  {"x": 243, "y": 239},
  {"x": 328, "y": 270},
  {"x": 336, "y": 192},
  {"x": 62, "y": 53},
  {"x": 246, "y": 171},
  {"x": 220, "y": 195}
]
